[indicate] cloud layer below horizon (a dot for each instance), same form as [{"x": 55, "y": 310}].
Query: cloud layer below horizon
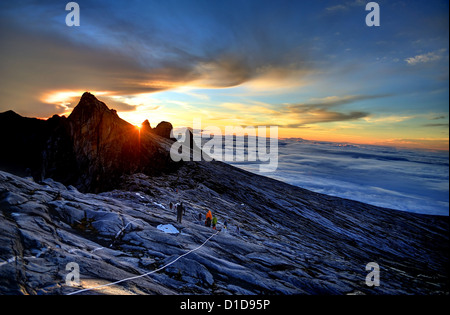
[{"x": 407, "y": 180}]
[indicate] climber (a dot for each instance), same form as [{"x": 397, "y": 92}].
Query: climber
[
  {"x": 208, "y": 219},
  {"x": 214, "y": 222},
  {"x": 180, "y": 211}
]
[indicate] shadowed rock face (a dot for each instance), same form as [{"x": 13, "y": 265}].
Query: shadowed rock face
[
  {"x": 107, "y": 147},
  {"x": 90, "y": 149},
  {"x": 146, "y": 126},
  {"x": 23, "y": 140},
  {"x": 163, "y": 129}
]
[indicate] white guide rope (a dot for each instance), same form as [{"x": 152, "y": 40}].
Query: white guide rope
[{"x": 145, "y": 274}]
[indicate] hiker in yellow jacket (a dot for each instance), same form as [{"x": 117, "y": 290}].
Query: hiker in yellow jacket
[{"x": 214, "y": 222}]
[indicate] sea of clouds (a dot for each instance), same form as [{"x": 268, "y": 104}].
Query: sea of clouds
[{"x": 402, "y": 179}]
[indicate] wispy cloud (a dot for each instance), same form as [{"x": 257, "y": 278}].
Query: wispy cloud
[
  {"x": 389, "y": 118},
  {"x": 426, "y": 58},
  {"x": 316, "y": 116},
  {"x": 444, "y": 125},
  {"x": 339, "y": 7},
  {"x": 300, "y": 115},
  {"x": 438, "y": 117},
  {"x": 331, "y": 101},
  {"x": 345, "y": 6},
  {"x": 324, "y": 110}
]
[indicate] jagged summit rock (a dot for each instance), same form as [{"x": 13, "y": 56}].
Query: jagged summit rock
[
  {"x": 103, "y": 143},
  {"x": 146, "y": 126},
  {"x": 91, "y": 112},
  {"x": 163, "y": 129},
  {"x": 89, "y": 104},
  {"x": 91, "y": 149},
  {"x": 10, "y": 114}
]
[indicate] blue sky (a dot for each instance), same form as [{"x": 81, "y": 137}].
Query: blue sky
[{"x": 311, "y": 67}]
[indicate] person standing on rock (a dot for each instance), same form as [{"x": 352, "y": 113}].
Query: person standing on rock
[
  {"x": 180, "y": 211},
  {"x": 214, "y": 222},
  {"x": 208, "y": 219}
]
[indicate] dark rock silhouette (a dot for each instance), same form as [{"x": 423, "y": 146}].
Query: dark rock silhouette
[
  {"x": 106, "y": 147},
  {"x": 91, "y": 149},
  {"x": 146, "y": 126},
  {"x": 163, "y": 129},
  {"x": 34, "y": 147}
]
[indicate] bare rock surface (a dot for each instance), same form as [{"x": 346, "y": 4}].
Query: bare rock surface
[{"x": 290, "y": 241}]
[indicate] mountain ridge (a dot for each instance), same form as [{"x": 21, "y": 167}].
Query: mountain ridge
[
  {"x": 118, "y": 184},
  {"x": 90, "y": 149}
]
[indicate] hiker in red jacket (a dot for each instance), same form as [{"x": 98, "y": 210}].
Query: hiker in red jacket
[{"x": 208, "y": 219}]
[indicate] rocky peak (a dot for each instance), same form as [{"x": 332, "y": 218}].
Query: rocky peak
[
  {"x": 90, "y": 110},
  {"x": 91, "y": 149},
  {"x": 107, "y": 147},
  {"x": 163, "y": 129},
  {"x": 10, "y": 114},
  {"x": 146, "y": 126},
  {"x": 89, "y": 103}
]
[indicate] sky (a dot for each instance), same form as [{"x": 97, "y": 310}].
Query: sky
[{"x": 313, "y": 68}]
